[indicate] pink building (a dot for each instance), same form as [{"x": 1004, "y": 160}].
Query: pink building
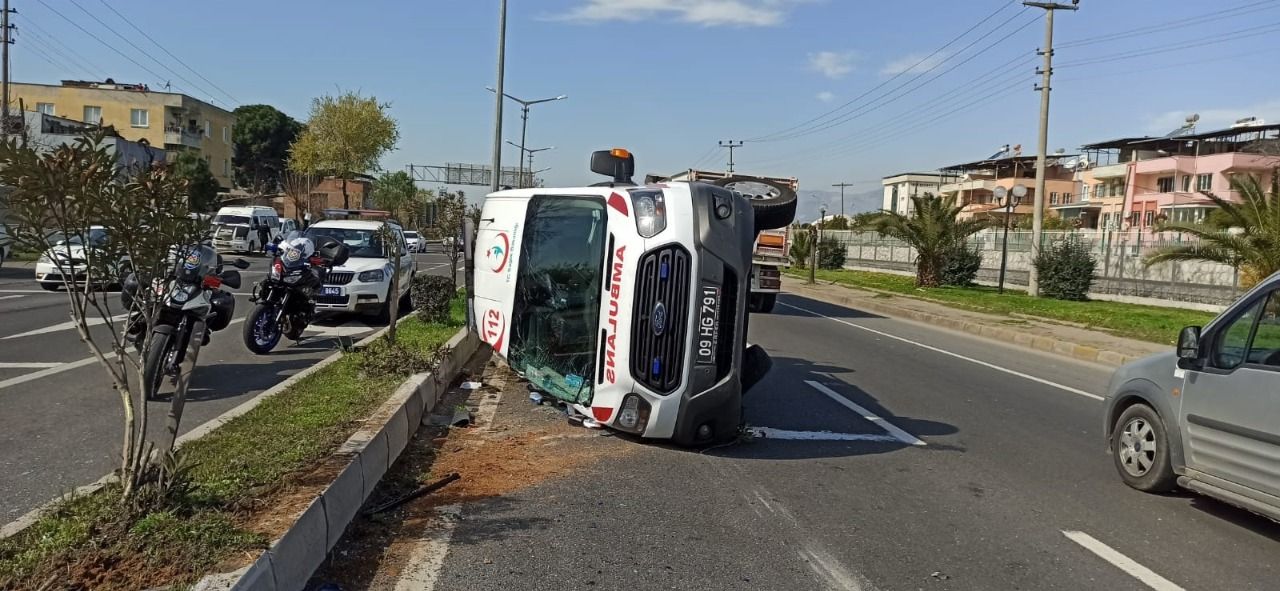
[{"x": 1166, "y": 177}]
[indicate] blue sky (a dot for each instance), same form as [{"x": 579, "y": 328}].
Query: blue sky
[{"x": 668, "y": 78}]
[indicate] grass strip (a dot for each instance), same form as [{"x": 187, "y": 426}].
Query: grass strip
[
  {"x": 175, "y": 536},
  {"x": 1147, "y": 323}
]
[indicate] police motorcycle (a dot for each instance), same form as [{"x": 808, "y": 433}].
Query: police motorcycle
[
  {"x": 195, "y": 293},
  {"x": 285, "y": 301}
]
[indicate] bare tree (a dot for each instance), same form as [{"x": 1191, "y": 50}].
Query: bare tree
[
  {"x": 297, "y": 189},
  {"x": 70, "y": 204}
]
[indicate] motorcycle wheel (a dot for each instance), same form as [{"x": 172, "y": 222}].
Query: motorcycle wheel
[
  {"x": 153, "y": 369},
  {"x": 261, "y": 333}
]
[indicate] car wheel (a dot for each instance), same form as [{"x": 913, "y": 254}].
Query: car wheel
[
  {"x": 384, "y": 312},
  {"x": 49, "y": 286},
  {"x": 1141, "y": 450}
]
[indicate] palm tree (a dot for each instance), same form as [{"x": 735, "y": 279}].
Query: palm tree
[
  {"x": 1244, "y": 235},
  {"x": 932, "y": 228}
]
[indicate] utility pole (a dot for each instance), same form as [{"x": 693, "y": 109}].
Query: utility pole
[
  {"x": 1046, "y": 72},
  {"x": 495, "y": 182},
  {"x": 731, "y": 145},
  {"x": 842, "y": 186},
  {"x": 4, "y": 101}
]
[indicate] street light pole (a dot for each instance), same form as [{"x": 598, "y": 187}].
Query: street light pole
[
  {"x": 1037, "y": 216},
  {"x": 524, "y": 122},
  {"x": 1009, "y": 200},
  {"x": 494, "y": 183}
]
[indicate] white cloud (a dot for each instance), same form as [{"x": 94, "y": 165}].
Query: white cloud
[
  {"x": 832, "y": 64},
  {"x": 1211, "y": 119},
  {"x": 707, "y": 13},
  {"x": 913, "y": 63},
  {"x": 826, "y": 97}
]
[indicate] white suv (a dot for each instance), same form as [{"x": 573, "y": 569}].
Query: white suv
[{"x": 363, "y": 283}]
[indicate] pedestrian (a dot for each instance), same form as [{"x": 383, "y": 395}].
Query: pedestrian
[{"x": 263, "y": 236}]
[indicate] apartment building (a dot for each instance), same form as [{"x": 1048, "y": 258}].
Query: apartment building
[
  {"x": 1135, "y": 183},
  {"x": 175, "y": 121},
  {"x": 900, "y": 188},
  {"x": 974, "y": 183}
]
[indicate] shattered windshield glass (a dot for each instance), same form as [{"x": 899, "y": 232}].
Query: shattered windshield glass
[{"x": 557, "y": 303}]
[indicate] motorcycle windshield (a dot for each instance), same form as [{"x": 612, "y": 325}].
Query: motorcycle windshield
[{"x": 293, "y": 258}]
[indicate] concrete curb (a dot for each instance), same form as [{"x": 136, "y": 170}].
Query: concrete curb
[
  {"x": 1048, "y": 345},
  {"x": 290, "y": 561},
  {"x": 30, "y": 517}
]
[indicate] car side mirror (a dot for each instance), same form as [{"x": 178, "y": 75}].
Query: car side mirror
[
  {"x": 240, "y": 264},
  {"x": 1189, "y": 343}
]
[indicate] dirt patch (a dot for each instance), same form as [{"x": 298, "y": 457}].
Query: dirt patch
[{"x": 522, "y": 446}]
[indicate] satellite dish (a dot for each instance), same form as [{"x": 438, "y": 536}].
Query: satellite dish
[
  {"x": 1019, "y": 190},
  {"x": 1084, "y": 162}
]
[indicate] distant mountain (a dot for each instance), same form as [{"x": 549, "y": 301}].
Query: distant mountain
[{"x": 811, "y": 202}]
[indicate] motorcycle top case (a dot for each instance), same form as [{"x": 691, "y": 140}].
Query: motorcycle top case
[{"x": 333, "y": 251}]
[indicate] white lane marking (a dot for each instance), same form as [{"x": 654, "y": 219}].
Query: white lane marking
[
  {"x": 830, "y": 570},
  {"x": 426, "y": 556},
  {"x": 68, "y": 325},
  {"x": 6, "y": 365},
  {"x": 1122, "y": 562},
  {"x": 890, "y": 428},
  {"x": 44, "y": 373},
  {"x": 783, "y": 434},
  {"x": 44, "y": 291},
  {"x": 343, "y": 330},
  {"x": 12, "y": 297},
  {"x": 949, "y": 353}
]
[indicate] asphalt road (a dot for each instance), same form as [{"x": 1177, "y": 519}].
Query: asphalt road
[
  {"x": 1008, "y": 487},
  {"x": 60, "y": 421}
]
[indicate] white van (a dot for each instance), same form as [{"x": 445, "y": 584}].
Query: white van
[{"x": 235, "y": 229}]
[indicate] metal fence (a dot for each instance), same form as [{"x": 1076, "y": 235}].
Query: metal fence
[{"x": 1120, "y": 255}]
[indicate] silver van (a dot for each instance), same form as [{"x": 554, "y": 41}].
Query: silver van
[{"x": 1206, "y": 417}]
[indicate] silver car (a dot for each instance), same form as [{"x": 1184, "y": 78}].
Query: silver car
[{"x": 1206, "y": 417}]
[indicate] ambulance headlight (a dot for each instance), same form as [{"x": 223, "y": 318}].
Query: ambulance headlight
[{"x": 651, "y": 212}]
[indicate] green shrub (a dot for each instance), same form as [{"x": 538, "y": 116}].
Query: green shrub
[
  {"x": 831, "y": 253},
  {"x": 1066, "y": 270},
  {"x": 801, "y": 252},
  {"x": 960, "y": 267},
  {"x": 431, "y": 295}
]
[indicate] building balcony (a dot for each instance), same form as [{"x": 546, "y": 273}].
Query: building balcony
[
  {"x": 969, "y": 185},
  {"x": 1110, "y": 171},
  {"x": 183, "y": 136}
]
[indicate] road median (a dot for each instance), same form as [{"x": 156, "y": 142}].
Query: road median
[{"x": 249, "y": 483}]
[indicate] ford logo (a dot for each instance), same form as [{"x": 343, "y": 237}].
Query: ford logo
[{"x": 659, "y": 319}]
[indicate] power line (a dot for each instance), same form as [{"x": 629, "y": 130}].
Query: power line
[
  {"x": 42, "y": 51},
  {"x": 99, "y": 40},
  {"x": 1190, "y": 21},
  {"x": 69, "y": 54},
  {"x": 167, "y": 52},
  {"x": 143, "y": 52},
  {"x": 868, "y": 108},
  {"x": 768, "y": 137},
  {"x": 1233, "y": 36}
]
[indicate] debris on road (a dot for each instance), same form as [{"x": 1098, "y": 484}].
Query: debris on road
[
  {"x": 471, "y": 385},
  {"x": 420, "y": 491},
  {"x": 461, "y": 417}
]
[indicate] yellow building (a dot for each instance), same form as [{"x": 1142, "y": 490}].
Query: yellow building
[{"x": 176, "y": 121}]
